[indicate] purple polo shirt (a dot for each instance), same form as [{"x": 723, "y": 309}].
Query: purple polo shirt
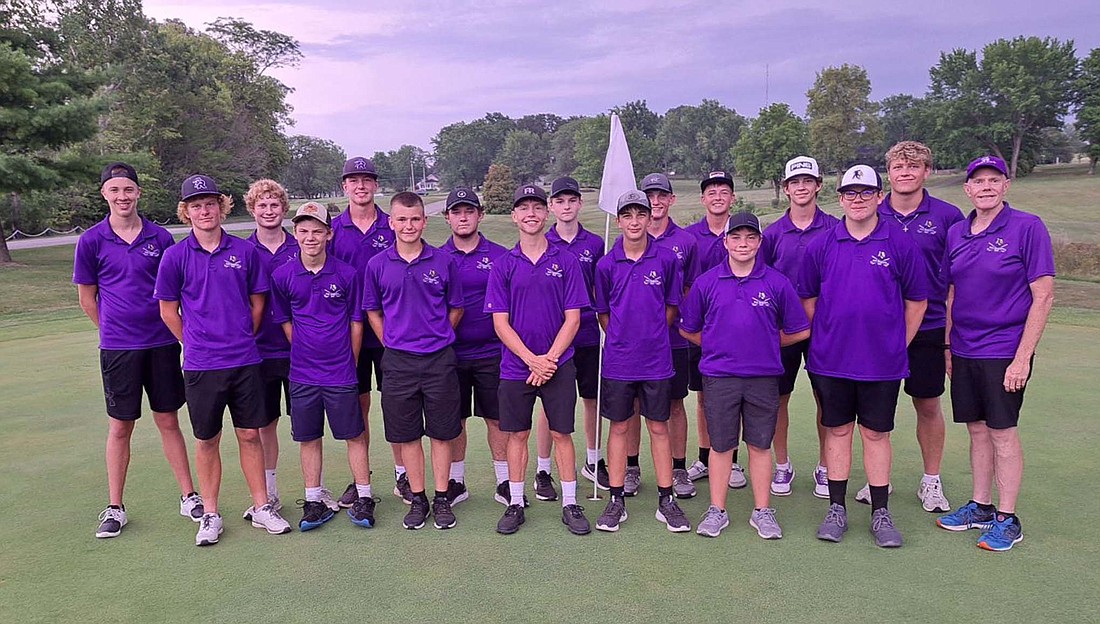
[
  {"x": 125, "y": 274},
  {"x": 784, "y": 245},
  {"x": 474, "y": 336},
  {"x": 992, "y": 272},
  {"x": 213, "y": 291},
  {"x": 928, "y": 226},
  {"x": 861, "y": 289},
  {"x": 740, "y": 319},
  {"x": 320, "y": 307},
  {"x": 635, "y": 295},
  {"x": 588, "y": 248},
  {"x": 271, "y": 340},
  {"x": 710, "y": 248},
  {"x": 535, "y": 296},
  {"x": 414, "y": 298},
  {"x": 682, "y": 243},
  {"x": 356, "y": 247}
]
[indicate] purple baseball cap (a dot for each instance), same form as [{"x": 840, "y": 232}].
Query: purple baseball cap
[
  {"x": 565, "y": 185},
  {"x": 197, "y": 185},
  {"x": 987, "y": 161},
  {"x": 359, "y": 166},
  {"x": 529, "y": 191},
  {"x": 656, "y": 182}
]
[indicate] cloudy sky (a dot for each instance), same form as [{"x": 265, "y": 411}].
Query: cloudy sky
[{"x": 386, "y": 72}]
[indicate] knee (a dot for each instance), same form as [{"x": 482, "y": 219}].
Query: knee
[
  {"x": 1004, "y": 438},
  {"x": 167, "y": 423},
  {"x": 248, "y": 436},
  {"x": 120, "y": 429},
  {"x": 872, "y": 436},
  {"x": 561, "y": 438},
  {"x": 656, "y": 428},
  {"x": 841, "y": 432},
  {"x": 620, "y": 428}
]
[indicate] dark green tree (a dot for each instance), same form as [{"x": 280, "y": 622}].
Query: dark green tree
[
  {"x": 1088, "y": 109},
  {"x": 695, "y": 140},
  {"x": 314, "y": 168},
  {"x": 498, "y": 190},
  {"x": 526, "y": 154},
  {"x": 842, "y": 118},
  {"x": 769, "y": 141}
]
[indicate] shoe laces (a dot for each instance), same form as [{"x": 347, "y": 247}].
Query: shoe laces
[
  {"x": 513, "y": 510},
  {"x": 782, "y": 474},
  {"x": 615, "y": 507},
  {"x": 713, "y": 514},
  {"x": 207, "y": 522},
  {"x": 680, "y": 477},
  {"x": 441, "y": 505},
  {"x": 881, "y": 520},
  {"x": 326, "y": 494},
  {"x": 766, "y": 514},
  {"x": 419, "y": 505},
  {"x": 110, "y": 512},
  {"x": 669, "y": 507},
  {"x": 544, "y": 477},
  {"x": 837, "y": 516},
  {"x": 575, "y": 510}
]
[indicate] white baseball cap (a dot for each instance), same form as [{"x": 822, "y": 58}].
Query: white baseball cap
[
  {"x": 801, "y": 165},
  {"x": 860, "y": 175}
]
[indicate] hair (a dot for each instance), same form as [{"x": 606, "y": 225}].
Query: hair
[
  {"x": 224, "y": 201},
  {"x": 259, "y": 188},
  {"x": 913, "y": 151},
  {"x": 407, "y": 199}
]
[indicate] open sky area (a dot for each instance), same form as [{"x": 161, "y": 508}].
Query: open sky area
[{"x": 385, "y": 73}]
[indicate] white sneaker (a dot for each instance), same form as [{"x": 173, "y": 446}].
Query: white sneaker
[
  {"x": 737, "y": 477},
  {"x": 267, "y": 518},
  {"x": 329, "y": 500},
  {"x": 821, "y": 482},
  {"x": 210, "y": 527},
  {"x": 273, "y": 501},
  {"x": 191, "y": 507},
  {"x": 864, "y": 494},
  {"x": 111, "y": 521},
  {"x": 931, "y": 497},
  {"x": 697, "y": 471},
  {"x": 781, "y": 480}
]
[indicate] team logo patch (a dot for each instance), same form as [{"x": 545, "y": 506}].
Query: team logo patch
[
  {"x": 857, "y": 174},
  {"x": 761, "y": 300},
  {"x": 199, "y": 184},
  {"x": 586, "y": 256},
  {"x": 679, "y": 252},
  {"x": 554, "y": 270},
  {"x": 360, "y": 164},
  {"x": 652, "y": 279},
  {"x": 880, "y": 259},
  {"x": 431, "y": 277},
  {"x": 150, "y": 251},
  {"x": 334, "y": 292},
  {"x": 998, "y": 246},
  {"x": 232, "y": 263},
  {"x": 380, "y": 242},
  {"x": 485, "y": 264},
  {"x": 927, "y": 227}
]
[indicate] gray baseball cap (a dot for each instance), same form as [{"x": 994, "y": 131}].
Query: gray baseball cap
[
  {"x": 656, "y": 182},
  {"x": 632, "y": 199}
]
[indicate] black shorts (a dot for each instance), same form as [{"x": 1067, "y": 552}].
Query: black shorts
[
  {"x": 370, "y": 359},
  {"x": 792, "y": 356},
  {"x": 927, "y": 367},
  {"x": 209, "y": 392},
  {"x": 478, "y": 382},
  {"x": 740, "y": 404},
  {"x": 681, "y": 362},
  {"x": 587, "y": 361},
  {"x": 870, "y": 403},
  {"x": 978, "y": 392},
  {"x": 695, "y": 378},
  {"x": 127, "y": 372},
  {"x": 312, "y": 403},
  {"x": 617, "y": 399},
  {"x": 275, "y": 373},
  {"x": 559, "y": 400},
  {"x": 420, "y": 396}
]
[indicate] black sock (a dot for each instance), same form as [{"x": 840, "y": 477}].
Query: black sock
[
  {"x": 679, "y": 464},
  {"x": 838, "y": 491},
  {"x": 985, "y": 507},
  {"x": 421, "y": 495},
  {"x": 704, "y": 456},
  {"x": 617, "y": 492},
  {"x": 442, "y": 494},
  {"x": 880, "y": 495},
  {"x": 118, "y": 507},
  {"x": 664, "y": 492},
  {"x": 190, "y": 494},
  {"x": 631, "y": 460},
  {"x": 1002, "y": 516},
  {"x": 735, "y": 455}
]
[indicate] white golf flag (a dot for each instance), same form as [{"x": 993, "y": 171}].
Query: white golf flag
[{"x": 618, "y": 169}]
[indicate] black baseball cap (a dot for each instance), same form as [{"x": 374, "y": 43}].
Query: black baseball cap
[
  {"x": 716, "y": 177},
  {"x": 632, "y": 199},
  {"x": 656, "y": 182},
  {"x": 462, "y": 195},
  {"x": 529, "y": 191},
  {"x": 565, "y": 185},
  {"x": 742, "y": 219},
  {"x": 119, "y": 170},
  {"x": 198, "y": 185}
]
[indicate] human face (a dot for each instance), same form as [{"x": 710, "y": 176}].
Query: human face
[
  {"x": 566, "y": 207},
  {"x": 122, "y": 196},
  {"x": 860, "y": 208},
  {"x": 312, "y": 236},
  {"x": 717, "y": 199},
  {"x": 269, "y": 212},
  {"x": 907, "y": 176},
  {"x": 360, "y": 189},
  {"x": 530, "y": 216},
  {"x": 205, "y": 213},
  {"x": 987, "y": 188},
  {"x": 633, "y": 224},
  {"x": 408, "y": 222},
  {"x": 463, "y": 220},
  {"x": 660, "y": 201},
  {"x": 802, "y": 190},
  {"x": 742, "y": 244}
]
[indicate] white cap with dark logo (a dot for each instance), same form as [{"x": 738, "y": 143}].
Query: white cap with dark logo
[
  {"x": 801, "y": 165},
  {"x": 860, "y": 175}
]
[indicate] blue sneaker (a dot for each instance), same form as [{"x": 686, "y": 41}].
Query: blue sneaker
[
  {"x": 1003, "y": 535},
  {"x": 314, "y": 514},
  {"x": 969, "y": 516}
]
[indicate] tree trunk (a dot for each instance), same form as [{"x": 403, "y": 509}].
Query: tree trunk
[
  {"x": 5, "y": 255},
  {"x": 1092, "y": 166},
  {"x": 1016, "y": 141}
]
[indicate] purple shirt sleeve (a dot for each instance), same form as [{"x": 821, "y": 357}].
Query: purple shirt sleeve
[
  {"x": 257, "y": 273},
  {"x": 793, "y": 317},
  {"x": 371, "y": 296},
  {"x": 454, "y": 284},
  {"x": 496, "y": 291},
  {"x": 84, "y": 262},
  {"x": 674, "y": 288},
  {"x": 279, "y": 299},
  {"x": 691, "y": 311},
  {"x": 1038, "y": 252},
  {"x": 169, "y": 277},
  {"x": 809, "y": 277},
  {"x": 602, "y": 287},
  {"x": 913, "y": 272},
  {"x": 576, "y": 292},
  {"x": 356, "y": 296}
]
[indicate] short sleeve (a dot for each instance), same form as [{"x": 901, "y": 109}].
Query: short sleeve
[
  {"x": 170, "y": 276},
  {"x": 691, "y": 310},
  {"x": 258, "y": 281},
  {"x": 603, "y": 286},
  {"x": 454, "y": 284},
  {"x": 85, "y": 261},
  {"x": 280, "y": 298},
  {"x": 809, "y": 274},
  {"x": 793, "y": 317},
  {"x": 576, "y": 295},
  {"x": 1038, "y": 253}
]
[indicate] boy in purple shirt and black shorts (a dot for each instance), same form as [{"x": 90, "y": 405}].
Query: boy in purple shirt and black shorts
[
  {"x": 211, "y": 287},
  {"x": 740, "y": 313},
  {"x": 115, "y": 269},
  {"x": 1000, "y": 267},
  {"x": 413, "y": 299}
]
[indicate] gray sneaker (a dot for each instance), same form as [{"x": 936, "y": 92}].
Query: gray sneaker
[
  {"x": 329, "y": 500},
  {"x": 210, "y": 527},
  {"x": 632, "y": 481},
  {"x": 737, "y": 477},
  {"x": 111, "y": 521},
  {"x": 713, "y": 522},
  {"x": 191, "y": 507},
  {"x": 766, "y": 525},
  {"x": 670, "y": 513},
  {"x": 613, "y": 515},
  {"x": 834, "y": 525},
  {"x": 882, "y": 527},
  {"x": 682, "y": 486}
]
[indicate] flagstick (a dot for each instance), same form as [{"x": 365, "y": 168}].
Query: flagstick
[{"x": 599, "y": 386}]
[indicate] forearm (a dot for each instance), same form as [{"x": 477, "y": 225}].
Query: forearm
[
  {"x": 257, "y": 301},
  {"x": 454, "y": 315},
  {"x": 695, "y": 338},
  {"x": 671, "y": 314},
  {"x": 88, "y": 296},
  {"x": 1041, "y": 304},
  {"x": 604, "y": 318},
  {"x": 786, "y": 340},
  {"x": 356, "y": 339},
  {"x": 170, "y": 314},
  {"x": 914, "y": 314},
  {"x": 510, "y": 339},
  {"x": 566, "y": 334},
  {"x": 374, "y": 317}
]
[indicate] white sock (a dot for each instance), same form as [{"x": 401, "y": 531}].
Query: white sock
[
  {"x": 363, "y": 490},
  {"x": 786, "y": 466},
  {"x": 929, "y": 478},
  {"x": 544, "y": 464},
  {"x": 501, "y": 470},
  {"x": 313, "y": 494},
  {"x": 593, "y": 456},
  {"x": 568, "y": 493},
  {"x": 458, "y": 471},
  {"x": 398, "y": 471},
  {"x": 516, "y": 490},
  {"x": 822, "y": 468}
]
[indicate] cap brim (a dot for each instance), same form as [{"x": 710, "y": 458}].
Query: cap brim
[
  {"x": 366, "y": 173},
  {"x": 201, "y": 194},
  {"x": 634, "y": 205},
  {"x": 709, "y": 181},
  {"x": 541, "y": 200},
  {"x": 462, "y": 202}
]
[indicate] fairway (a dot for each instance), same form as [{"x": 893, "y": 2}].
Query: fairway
[{"x": 52, "y": 569}]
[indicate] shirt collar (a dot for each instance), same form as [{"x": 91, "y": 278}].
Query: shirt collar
[
  {"x": 109, "y": 233},
  {"x": 425, "y": 252},
  {"x": 788, "y": 225},
  {"x": 194, "y": 242},
  {"x": 999, "y": 222},
  {"x": 482, "y": 245},
  {"x": 879, "y": 233},
  {"x": 758, "y": 267},
  {"x": 551, "y": 252},
  {"x": 618, "y": 254},
  {"x": 887, "y": 209}
]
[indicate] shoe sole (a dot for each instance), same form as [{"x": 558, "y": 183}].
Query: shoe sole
[
  {"x": 822, "y": 495},
  {"x": 309, "y": 526},
  {"x": 342, "y": 505},
  {"x": 631, "y": 494},
  {"x": 507, "y": 501},
  {"x": 576, "y": 531},
  {"x": 612, "y": 528},
  {"x": 199, "y": 519},
  {"x": 986, "y": 546},
  {"x": 281, "y": 531},
  {"x": 836, "y": 539},
  {"x": 740, "y": 486},
  {"x": 984, "y": 526},
  {"x": 208, "y": 542},
  {"x": 680, "y": 529},
  {"x": 106, "y": 534},
  {"x": 442, "y": 527},
  {"x": 752, "y": 523},
  {"x": 707, "y": 533},
  {"x": 685, "y": 495},
  {"x": 591, "y": 477},
  {"x": 936, "y": 508},
  {"x": 461, "y": 497},
  {"x": 780, "y": 492},
  {"x": 414, "y": 528},
  {"x": 366, "y": 523},
  {"x": 543, "y": 497},
  {"x": 702, "y": 475},
  {"x": 888, "y": 544},
  {"x": 513, "y": 531}
]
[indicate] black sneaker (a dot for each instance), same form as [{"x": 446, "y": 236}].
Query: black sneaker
[
  {"x": 670, "y": 513},
  {"x": 504, "y": 495},
  {"x": 348, "y": 498},
  {"x": 597, "y": 474},
  {"x": 362, "y": 512},
  {"x": 572, "y": 516},
  {"x": 314, "y": 514},
  {"x": 441, "y": 510},
  {"x": 510, "y": 521},
  {"x": 418, "y": 513},
  {"x": 456, "y": 492},
  {"x": 111, "y": 521},
  {"x": 544, "y": 487},
  {"x": 613, "y": 515},
  {"x": 402, "y": 489}
]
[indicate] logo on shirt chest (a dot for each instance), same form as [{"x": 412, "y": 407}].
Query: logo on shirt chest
[
  {"x": 997, "y": 246},
  {"x": 880, "y": 259},
  {"x": 761, "y": 300},
  {"x": 554, "y": 270},
  {"x": 485, "y": 264},
  {"x": 380, "y": 242},
  {"x": 431, "y": 277},
  {"x": 334, "y": 292},
  {"x": 150, "y": 251},
  {"x": 586, "y": 256},
  {"x": 233, "y": 263},
  {"x": 679, "y": 252},
  {"x": 652, "y": 279},
  {"x": 927, "y": 228}
]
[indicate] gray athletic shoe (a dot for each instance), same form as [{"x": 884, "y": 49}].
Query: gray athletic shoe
[
  {"x": 572, "y": 516},
  {"x": 766, "y": 525},
  {"x": 697, "y": 470},
  {"x": 613, "y": 515},
  {"x": 882, "y": 527},
  {"x": 111, "y": 521},
  {"x": 329, "y": 500},
  {"x": 714, "y": 520},
  {"x": 210, "y": 527},
  {"x": 268, "y": 519},
  {"x": 737, "y": 477},
  {"x": 864, "y": 493},
  {"x": 191, "y": 507},
  {"x": 632, "y": 481},
  {"x": 834, "y": 525},
  {"x": 670, "y": 513},
  {"x": 682, "y": 486}
]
